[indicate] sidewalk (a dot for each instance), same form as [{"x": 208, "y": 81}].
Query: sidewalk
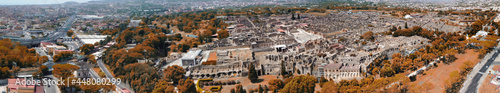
[{"x": 475, "y": 71}]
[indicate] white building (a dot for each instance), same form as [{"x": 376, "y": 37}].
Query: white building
[
  {"x": 341, "y": 71},
  {"x": 191, "y": 58},
  {"x": 91, "y": 39}
]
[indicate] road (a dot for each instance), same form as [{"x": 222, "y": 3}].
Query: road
[
  {"x": 472, "y": 88},
  {"x": 42, "y": 53},
  {"x": 61, "y": 31},
  {"x": 51, "y": 88},
  {"x": 471, "y": 84},
  {"x": 72, "y": 45},
  {"x": 108, "y": 75}
]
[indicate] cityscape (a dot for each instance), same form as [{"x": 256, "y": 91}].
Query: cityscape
[{"x": 250, "y": 46}]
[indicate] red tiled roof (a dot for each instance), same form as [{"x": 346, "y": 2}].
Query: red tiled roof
[{"x": 281, "y": 30}]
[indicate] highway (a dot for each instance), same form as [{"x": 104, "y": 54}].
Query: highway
[
  {"x": 61, "y": 32},
  {"x": 471, "y": 85}
]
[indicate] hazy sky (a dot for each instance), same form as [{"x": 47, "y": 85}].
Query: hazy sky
[{"x": 36, "y": 2}]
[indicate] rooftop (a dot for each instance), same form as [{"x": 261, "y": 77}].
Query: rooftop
[{"x": 191, "y": 54}]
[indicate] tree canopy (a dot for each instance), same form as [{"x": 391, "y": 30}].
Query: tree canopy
[
  {"x": 276, "y": 84},
  {"x": 186, "y": 86},
  {"x": 87, "y": 48},
  {"x": 174, "y": 73},
  {"x": 300, "y": 84},
  {"x": 64, "y": 70},
  {"x": 163, "y": 87}
]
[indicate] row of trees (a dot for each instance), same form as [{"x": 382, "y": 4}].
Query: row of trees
[
  {"x": 368, "y": 84},
  {"x": 14, "y": 56},
  {"x": 239, "y": 89},
  {"x": 14, "y": 53},
  {"x": 442, "y": 44},
  {"x": 456, "y": 78},
  {"x": 298, "y": 84}
]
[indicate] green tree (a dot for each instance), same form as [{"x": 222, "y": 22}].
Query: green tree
[
  {"x": 252, "y": 74},
  {"x": 239, "y": 89},
  {"x": 283, "y": 70},
  {"x": 232, "y": 91},
  {"x": 260, "y": 90},
  {"x": 406, "y": 25}
]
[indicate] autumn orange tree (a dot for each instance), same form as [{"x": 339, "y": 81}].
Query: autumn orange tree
[
  {"x": 142, "y": 77},
  {"x": 174, "y": 73},
  {"x": 87, "y": 48},
  {"x": 300, "y": 84},
  {"x": 62, "y": 55},
  {"x": 476, "y": 26},
  {"x": 330, "y": 87},
  {"x": 276, "y": 84},
  {"x": 42, "y": 70},
  {"x": 64, "y": 70},
  {"x": 43, "y": 59},
  {"x": 4, "y": 73},
  {"x": 163, "y": 87},
  {"x": 222, "y": 34},
  {"x": 368, "y": 36},
  {"x": 92, "y": 59},
  {"x": 186, "y": 86},
  {"x": 14, "y": 53},
  {"x": 70, "y": 33}
]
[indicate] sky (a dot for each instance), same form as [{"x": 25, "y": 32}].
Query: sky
[{"x": 36, "y": 2}]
